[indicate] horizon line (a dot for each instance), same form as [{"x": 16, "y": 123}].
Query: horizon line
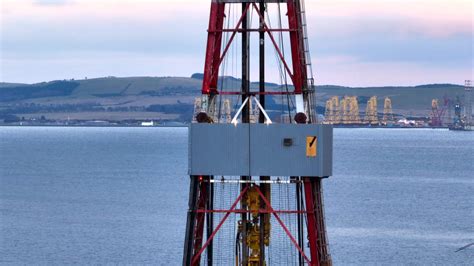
[{"x": 164, "y": 76}]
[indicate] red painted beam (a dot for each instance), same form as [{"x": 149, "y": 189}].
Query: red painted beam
[
  {"x": 214, "y": 42},
  {"x": 296, "y": 49},
  {"x": 272, "y": 39},
  {"x": 257, "y": 93},
  {"x": 214, "y": 58},
  {"x": 216, "y": 21},
  {"x": 312, "y": 226},
  {"x": 288, "y": 233},
  {"x": 226, "y": 49},
  {"x": 198, "y": 233},
  {"x": 257, "y": 30},
  {"x": 248, "y": 211},
  {"x": 196, "y": 257}
]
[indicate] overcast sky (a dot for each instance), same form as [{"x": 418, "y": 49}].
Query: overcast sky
[{"x": 353, "y": 42}]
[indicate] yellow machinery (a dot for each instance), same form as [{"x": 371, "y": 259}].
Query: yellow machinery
[
  {"x": 252, "y": 229},
  {"x": 232, "y": 165}
]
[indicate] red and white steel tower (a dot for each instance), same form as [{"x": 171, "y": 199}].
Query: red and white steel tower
[{"x": 255, "y": 193}]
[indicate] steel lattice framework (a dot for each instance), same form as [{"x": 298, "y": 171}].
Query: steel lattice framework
[{"x": 253, "y": 203}]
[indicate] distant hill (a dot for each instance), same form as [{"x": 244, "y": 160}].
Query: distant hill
[
  {"x": 7, "y": 84},
  {"x": 171, "y": 98}
]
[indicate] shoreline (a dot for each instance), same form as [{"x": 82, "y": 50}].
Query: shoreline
[
  {"x": 93, "y": 126},
  {"x": 187, "y": 125}
]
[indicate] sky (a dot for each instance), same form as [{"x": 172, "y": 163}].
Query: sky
[{"x": 353, "y": 42}]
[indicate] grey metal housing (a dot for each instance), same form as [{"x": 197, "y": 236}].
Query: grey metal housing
[{"x": 259, "y": 150}]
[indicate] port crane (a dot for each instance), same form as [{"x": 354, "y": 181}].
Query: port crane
[
  {"x": 438, "y": 113},
  {"x": 255, "y": 194}
]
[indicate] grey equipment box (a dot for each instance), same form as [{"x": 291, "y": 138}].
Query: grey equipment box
[{"x": 260, "y": 150}]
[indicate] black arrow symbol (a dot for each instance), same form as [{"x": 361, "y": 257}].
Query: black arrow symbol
[{"x": 312, "y": 142}]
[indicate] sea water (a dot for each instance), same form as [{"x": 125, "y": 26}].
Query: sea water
[{"x": 71, "y": 195}]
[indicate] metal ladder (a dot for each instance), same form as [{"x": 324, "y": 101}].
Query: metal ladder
[
  {"x": 306, "y": 51},
  {"x": 306, "y": 58}
]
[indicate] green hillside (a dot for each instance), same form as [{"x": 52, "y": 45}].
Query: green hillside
[{"x": 172, "y": 98}]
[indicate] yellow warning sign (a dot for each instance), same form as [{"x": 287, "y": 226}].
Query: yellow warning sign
[{"x": 311, "y": 144}]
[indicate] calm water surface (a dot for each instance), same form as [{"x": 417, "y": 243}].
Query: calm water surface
[{"x": 119, "y": 196}]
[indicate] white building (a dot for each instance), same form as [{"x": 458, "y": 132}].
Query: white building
[{"x": 147, "y": 124}]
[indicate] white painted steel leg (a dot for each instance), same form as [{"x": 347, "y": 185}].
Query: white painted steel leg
[
  {"x": 267, "y": 119},
  {"x": 234, "y": 120},
  {"x": 299, "y": 103}
]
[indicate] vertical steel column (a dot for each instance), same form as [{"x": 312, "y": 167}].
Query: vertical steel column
[
  {"x": 308, "y": 192},
  {"x": 299, "y": 207},
  {"x": 311, "y": 217},
  {"x": 261, "y": 117},
  {"x": 199, "y": 228},
  {"x": 245, "y": 119},
  {"x": 264, "y": 218},
  {"x": 245, "y": 64},
  {"x": 213, "y": 49},
  {"x": 324, "y": 256},
  {"x": 301, "y": 38},
  {"x": 210, "y": 222},
  {"x": 296, "y": 49},
  {"x": 191, "y": 221}
]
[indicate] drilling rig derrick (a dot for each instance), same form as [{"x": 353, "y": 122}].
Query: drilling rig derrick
[
  {"x": 351, "y": 110},
  {"x": 371, "y": 114},
  {"x": 387, "y": 118},
  {"x": 332, "y": 114},
  {"x": 255, "y": 194},
  {"x": 437, "y": 112}
]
